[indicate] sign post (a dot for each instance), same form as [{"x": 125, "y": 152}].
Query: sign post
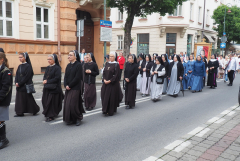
[
  {"x": 105, "y": 30},
  {"x": 80, "y": 32}
]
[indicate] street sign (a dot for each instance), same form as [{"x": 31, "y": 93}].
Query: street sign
[
  {"x": 223, "y": 39},
  {"x": 223, "y": 45},
  {"x": 105, "y": 30},
  {"x": 80, "y": 28},
  {"x": 224, "y": 33}
]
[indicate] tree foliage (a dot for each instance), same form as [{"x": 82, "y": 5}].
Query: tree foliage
[
  {"x": 141, "y": 8},
  {"x": 232, "y": 22}
]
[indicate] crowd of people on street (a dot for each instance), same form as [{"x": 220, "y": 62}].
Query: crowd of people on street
[{"x": 153, "y": 75}]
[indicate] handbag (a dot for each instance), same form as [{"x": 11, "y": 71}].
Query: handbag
[
  {"x": 30, "y": 88},
  {"x": 50, "y": 86},
  {"x": 160, "y": 80}
]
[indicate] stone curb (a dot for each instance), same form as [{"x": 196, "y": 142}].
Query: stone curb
[{"x": 183, "y": 142}]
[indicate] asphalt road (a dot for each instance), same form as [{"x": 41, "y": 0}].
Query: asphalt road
[{"x": 130, "y": 135}]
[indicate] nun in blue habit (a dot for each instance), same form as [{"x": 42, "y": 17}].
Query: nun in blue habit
[
  {"x": 166, "y": 65},
  {"x": 198, "y": 72},
  {"x": 189, "y": 72}
]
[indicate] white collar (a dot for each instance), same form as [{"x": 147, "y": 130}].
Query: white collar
[
  {"x": 213, "y": 60},
  {"x": 24, "y": 63},
  {"x": 112, "y": 62},
  {"x": 73, "y": 62},
  {"x": 52, "y": 65}
]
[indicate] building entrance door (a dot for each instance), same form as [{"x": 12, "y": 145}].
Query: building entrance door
[
  {"x": 170, "y": 50},
  {"x": 87, "y": 41}
]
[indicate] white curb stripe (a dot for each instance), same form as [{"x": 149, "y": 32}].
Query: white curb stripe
[
  {"x": 182, "y": 146},
  {"x": 203, "y": 132},
  {"x": 219, "y": 121},
  {"x": 195, "y": 131},
  {"x": 225, "y": 112},
  {"x": 231, "y": 113},
  {"x": 213, "y": 119},
  {"x": 173, "y": 144},
  {"x": 151, "y": 158}
]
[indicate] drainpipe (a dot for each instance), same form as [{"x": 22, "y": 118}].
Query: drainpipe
[
  {"x": 203, "y": 18},
  {"x": 58, "y": 31}
]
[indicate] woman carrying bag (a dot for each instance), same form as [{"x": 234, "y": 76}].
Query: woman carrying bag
[
  {"x": 24, "y": 102},
  {"x": 52, "y": 91},
  {"x": 6, "y": 81}
]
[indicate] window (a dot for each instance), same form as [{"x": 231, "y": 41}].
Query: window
[
  {"x": 171, "y": 43},
  {"x": 143, "y": 43},
  {"x": 6, "y": 18},
  {"x": 199, "y": 14},
  {"x": 177, "y": 11},
  {"x": 191, "y": 11},
  {"x": 120, "y": 15},
  {"x": 42, "y": 23},
  {"x": 120, "y": 42},
  {"x": 189, "y": 44},
  {"x": 207, "y": 18}
]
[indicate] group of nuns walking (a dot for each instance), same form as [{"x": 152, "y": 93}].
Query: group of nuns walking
[{"x": 152, "y": 76}]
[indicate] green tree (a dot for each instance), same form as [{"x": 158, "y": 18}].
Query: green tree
[
  {"x": 141, "y": 8},
  {"x": 232, "y": 23}
]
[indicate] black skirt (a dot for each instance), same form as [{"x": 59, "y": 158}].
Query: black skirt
[
  {"x": 90, "y": 95},
  {"x": 212, "y": 79},
  {"x": 73, "y": 108},
  {"x": 130, "y": 93},
  {"x": 52, "y": 103},
  {"x": 25, "y": 103}
]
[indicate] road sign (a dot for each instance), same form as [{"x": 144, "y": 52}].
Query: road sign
[
  {"x": 223, "y": 45},
  {"x": 224, "y": 33},
  {"x": 105, "y": 30},
  {"x": 224, "y": 39},
  {"x": 80, "y": 28}
]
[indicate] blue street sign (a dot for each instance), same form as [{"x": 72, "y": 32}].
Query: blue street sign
[
  {"x": 223, "y": 45},
  {"x": 224, "y": 34},
  {"x": 104, "y": 23}
]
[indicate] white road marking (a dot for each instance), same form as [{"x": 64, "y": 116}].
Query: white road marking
[
  {"x": 99, "y": 110},
  {"x": 173, "y": 144},
  {"x": 213, "y": 120},
  {"x": 12, "y": 103},
  {"x": 182, "y": 146},
  {"x": 195, "y": 131},
  {"x": 225, "y": 112},
  {"x": 231, "y": 113},
  {"x": 203, "y": 132},
  {"x": 151, "y": 158},
  {"x": 219, "y": 121}
]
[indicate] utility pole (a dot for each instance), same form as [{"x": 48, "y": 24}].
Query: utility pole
[
  {"x": 105, "y": 44},
  {"x": 203, "y": 18}
]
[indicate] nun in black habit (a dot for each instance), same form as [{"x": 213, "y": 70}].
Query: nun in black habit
[
  {"x": 175, "y": 76},
  {"x": 110, "y": 92},
  {"x": 146, "y": 76},
  {"x": 90, "y": 73},
  {"x": 212, "y": 71},
  {"x": 139, "y": 78},
  {"x": 166, "y": 65},
  {"x": 24, "y": 102},
  {"x": 130, "y": 78},
  {"x": 52, "y": 91},
  {"x": 73, "y": 108}
]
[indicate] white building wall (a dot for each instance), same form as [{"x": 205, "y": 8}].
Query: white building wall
[{"x": 174, "y": 24}]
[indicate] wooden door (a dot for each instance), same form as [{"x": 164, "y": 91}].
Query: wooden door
[{"x": 87, "y": 41}]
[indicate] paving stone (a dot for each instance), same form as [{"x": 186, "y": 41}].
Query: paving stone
[
  {"x": 234, "y": 148},
  {"x": 175, "y": 154},
  {"x": 222, "y": 159},
  {"x": 195, "y": 153},
  {"x": 201, "y": 159},
  {"x": 209, "y": 142},
  {"x": 198, "y": 139},
  {"x": 209, "y": 156},
  {"x": 214, "y": 152},
  {"x": 230, "y": 151},
  {"x": 189, "y": 157},
  {"x": 204, "y": 145},
  {"x": 216, "y": 135},
  {"x": 168, "y": 157},
  {"x": 228, "y": 156},
  {"x": 194, "y": 142},
  {"x": 185, "y": 150},
  {"x": 199, "y": 148},
  {"x": 213, "y": 139},
  {"x": 218, "y": 148}
]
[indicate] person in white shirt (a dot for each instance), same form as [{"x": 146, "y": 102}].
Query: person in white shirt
[
  {"x": 226, "y": 60},
  {"x": 221, "y": 64},
  {"x": 82, "y": 54},
  {"x": 231, "y": 68}
]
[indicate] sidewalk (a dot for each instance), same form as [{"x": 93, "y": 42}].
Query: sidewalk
[
  {"x": 38, "y": 79},
  {"x": 218, "y": 139}
]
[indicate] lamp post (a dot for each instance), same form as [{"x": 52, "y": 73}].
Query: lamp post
[{"x": 229, "y": 11}]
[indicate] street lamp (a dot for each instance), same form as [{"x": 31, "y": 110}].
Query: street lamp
[{"x": 229, "y": 11}]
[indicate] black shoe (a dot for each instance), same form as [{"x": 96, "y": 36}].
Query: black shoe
[
  {"x": 229, "y": 84},
  {"x": 49, "y": 119},
  {"x": 19, "y": 115},
  {"x": 87, "y": 109},
  {"x": 127, "y": 107},
  {"x": 34, "y": 114},
  {"x": 175, "y": 95},
  {"x": 200, "y": 90},
  {"x": 193, "y": 91},
  {"x": 69, "y": 123},
  {"x": 78, "y": 122},
  {"x": 90, "y": 108},
  {"x": 3, "y": 141},
  {"x": 144, "y": 95}
]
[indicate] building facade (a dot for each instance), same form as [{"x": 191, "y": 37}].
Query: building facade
[
  {"x": 171, "y": 33},
  {"x": 41, "y": 27}
]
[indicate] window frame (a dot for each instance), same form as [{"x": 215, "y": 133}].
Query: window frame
[
  {"x": 207, "y": 17},
  {"x": 5, "y": 19},
  {"x": 199, "y": 14},
  {"x": 120, "y": 15},
  {"x": 120, "y": 42},
  {"x": 42, "y": 23},
  {"x": 191, "y": 11},
  {"x": 177, "y": 11}
]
